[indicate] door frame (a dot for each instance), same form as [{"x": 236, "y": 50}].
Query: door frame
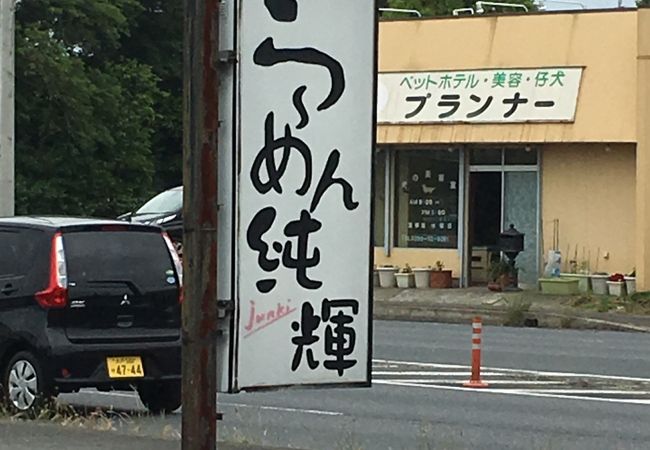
[{"x": 502, "y": 168}]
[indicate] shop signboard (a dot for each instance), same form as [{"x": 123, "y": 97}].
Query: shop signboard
[
  {"x": 306, "y": 127},
  {"x": 547, "y": 94}
]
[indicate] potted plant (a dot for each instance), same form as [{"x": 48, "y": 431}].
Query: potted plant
[
  {"x": 502, "y": 275},
  {"x": 422, "y": 277},
  {"x": 599, "y": 283},
  {"x": 405, "y": 278},
  {"x": 630, "y": 283},
  {"x": 440, "y": 278},
  {"x": 581, "y": 274},
  {"x": 387, "y": 276},
  {"x": 559, "y": 285},
  {"x": 616, "y": 284}
]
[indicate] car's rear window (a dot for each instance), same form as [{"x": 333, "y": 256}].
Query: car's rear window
[{"x": 134, "y": 257}]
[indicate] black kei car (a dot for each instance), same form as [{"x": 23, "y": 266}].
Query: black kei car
[
  {"x": 88, "y": 303},
  {"x": 165, "y": 210}
]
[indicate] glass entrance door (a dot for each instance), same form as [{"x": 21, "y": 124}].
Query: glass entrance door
[
  {"x": 504, "y": 190},
  {"x": 520, "y": 209}
]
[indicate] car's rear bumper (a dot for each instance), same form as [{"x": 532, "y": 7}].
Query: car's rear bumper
[{"x": 74, "y": 366}]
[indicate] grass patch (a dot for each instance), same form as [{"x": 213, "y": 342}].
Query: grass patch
[
  {"x": 90, "y": 418},
  {"x": 516, "y": 312},
  {"x": 638, "y": 303},
  {"x": 580, "y": 301},
  {"x": 604, "y": 304}
]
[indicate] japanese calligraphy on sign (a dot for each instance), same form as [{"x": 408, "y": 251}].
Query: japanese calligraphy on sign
[
  {"x": 500, "y": 95},
  {"x": 306, "y": 132}
]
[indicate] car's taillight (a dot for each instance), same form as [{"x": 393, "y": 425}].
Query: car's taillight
[
  {"x": 56, "y": 293},
  {"x": 177, "y": 264}
]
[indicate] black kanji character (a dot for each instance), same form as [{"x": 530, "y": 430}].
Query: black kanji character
[
  {"x": 301, "y": 229},
  {"x": 260, "y": 224},
  {"x": 327, "y": 180},
  {"x": 267, "y": 55},
  {"x": 309, "y": 323},
  {"x": 340, "y": 339},
  {"x": 515, "y": 102},
  {"x": 282, "y": 10},
  {"x": 274, "y": 171},
  {"x": 421, "y": 99},
  {"x": 482, "y": 109},
  {"x": 449, "y": 100}
]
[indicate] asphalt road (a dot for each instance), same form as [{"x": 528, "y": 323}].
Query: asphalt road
[{"x": 549, "y": 389}]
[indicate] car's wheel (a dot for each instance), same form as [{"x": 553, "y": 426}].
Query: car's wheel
[
  {"x": 161, "y": 397},
  {"x": 25, "y": 387}
]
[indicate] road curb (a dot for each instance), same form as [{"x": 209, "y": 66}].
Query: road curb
[{"x": 418, "y": 312}]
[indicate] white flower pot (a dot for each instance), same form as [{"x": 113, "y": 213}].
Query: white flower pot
[
  {"x": 599, "y": 284},
  {"x": 422, "y": 277},
  {"x": 405, "y": 280},
  {"x": 616, "y": 288},
  {"x": 630, "y": 285},
  {"x": 387, "y": 276}
]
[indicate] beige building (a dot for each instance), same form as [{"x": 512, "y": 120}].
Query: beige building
[{"x": 539, "y": 120}]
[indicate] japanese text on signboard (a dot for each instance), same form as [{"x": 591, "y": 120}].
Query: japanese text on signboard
[
  {"x": 298, "y": 186},
  {"x": 548, "y": 94}
]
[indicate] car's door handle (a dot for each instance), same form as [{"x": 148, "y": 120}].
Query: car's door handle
[{"x": 8, "y": 289}]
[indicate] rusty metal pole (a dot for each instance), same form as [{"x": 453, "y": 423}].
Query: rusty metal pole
[{"x": 201, "y": 123}]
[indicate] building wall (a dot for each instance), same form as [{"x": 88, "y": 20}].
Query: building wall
[
  {"x": 604, "y": 42},
  {"x": 592, "y": 193},
  {"x": 643, "y": 153}
]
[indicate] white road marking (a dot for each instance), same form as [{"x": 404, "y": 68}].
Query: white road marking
[
  {"x": 283, "y": 409},
  {"x": 523, "y": 371},
  {"x": 515, "y": 392},
  {"x": 588, "y": 391},
  {"x": 442, "y": 381},
  {"x": 437, "y": 374}
]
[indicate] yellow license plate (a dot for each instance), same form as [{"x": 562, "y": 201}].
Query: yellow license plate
[{"x": 125, "y": 367}]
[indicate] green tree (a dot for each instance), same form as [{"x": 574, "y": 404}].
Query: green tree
[
  {"x": 156, "y": 39},
  {"x": 84, "y": 113}
]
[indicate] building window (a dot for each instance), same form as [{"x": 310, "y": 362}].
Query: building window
[
  {"x": 485, "y": 157},
  {"x": 520, "y": 156},
  {"x": 380, "y": 197},
  {"x": 426, "y": 198}
]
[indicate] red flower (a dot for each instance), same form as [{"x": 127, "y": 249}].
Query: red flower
[{"x": 617, "y": 277}]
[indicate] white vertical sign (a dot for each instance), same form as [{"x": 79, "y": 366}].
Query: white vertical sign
[{"x": 306, "y": 132}]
